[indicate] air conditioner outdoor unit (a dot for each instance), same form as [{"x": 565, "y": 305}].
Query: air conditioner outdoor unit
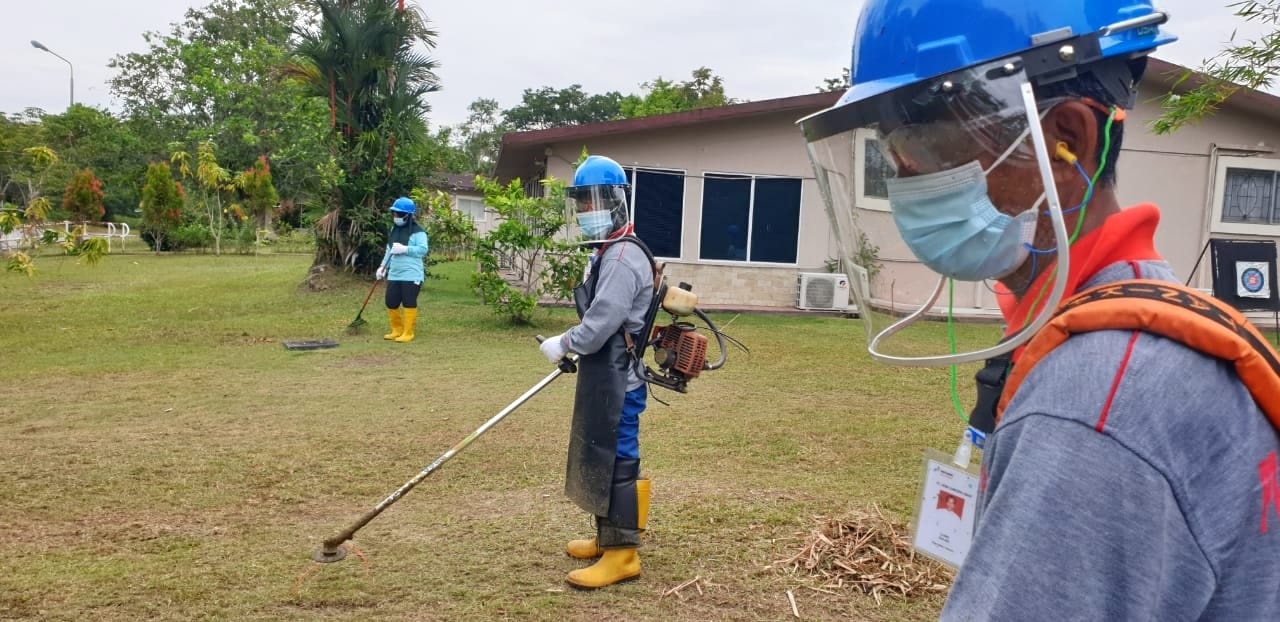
[{"x": 823, "y": 291}]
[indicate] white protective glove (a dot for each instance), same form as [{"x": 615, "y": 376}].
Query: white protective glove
[
  {"x": 553, "y": 348},
  {"x": 399, "y": 249},
  {"x": 381, "y": 273}
]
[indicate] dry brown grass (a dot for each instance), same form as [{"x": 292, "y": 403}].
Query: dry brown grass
[{"x": 868, "y": 552}]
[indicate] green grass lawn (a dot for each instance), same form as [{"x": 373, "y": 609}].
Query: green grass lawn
[{"x": 164, "y": 457}]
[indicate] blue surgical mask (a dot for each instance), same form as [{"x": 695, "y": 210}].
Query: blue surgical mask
[
  {"x": 399, "y": 221},
  {"x": 595, "y": 225},
  {"x": 950, "y": 224}
]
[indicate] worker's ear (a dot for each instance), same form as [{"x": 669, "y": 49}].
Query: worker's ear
[{"x": 1071, "y": 131}]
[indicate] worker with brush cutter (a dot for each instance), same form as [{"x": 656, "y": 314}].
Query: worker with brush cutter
[
  {"x": 603, "y": 471},
  {"x": 402, "y": 266},
  {"x": 1130, "y": 423}
]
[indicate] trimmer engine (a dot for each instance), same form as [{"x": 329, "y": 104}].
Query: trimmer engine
[{"x": 679, "y": 350}]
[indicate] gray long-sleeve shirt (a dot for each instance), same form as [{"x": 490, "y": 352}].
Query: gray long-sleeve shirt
[
  {"x": 623, "y": 294},
  {"x": 1168, "y": 510}
]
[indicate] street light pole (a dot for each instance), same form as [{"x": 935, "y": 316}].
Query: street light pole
[{"x": 40, "y": 46}]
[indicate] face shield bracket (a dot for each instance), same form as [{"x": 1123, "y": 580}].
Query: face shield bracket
[{"x": 1060, "y": 60}]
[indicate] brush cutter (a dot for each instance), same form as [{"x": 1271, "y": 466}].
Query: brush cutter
[{"x": 333, "y": 550}]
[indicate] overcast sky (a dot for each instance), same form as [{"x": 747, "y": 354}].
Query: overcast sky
[{"x": 498, "y": 48}]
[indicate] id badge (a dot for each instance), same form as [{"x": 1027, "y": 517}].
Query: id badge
[{"x": 942, "y": 525}]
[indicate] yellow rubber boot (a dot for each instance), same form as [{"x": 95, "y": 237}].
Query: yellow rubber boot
[
  {"x": 589, "y": 549},
  {"x": 615, "y": 565},
  {"x": 410, "y": 317},
  {"x": 583, "y": 549},
  {"x": 397, "y": 326}
]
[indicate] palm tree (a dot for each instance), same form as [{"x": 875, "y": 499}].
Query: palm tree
[{"x": 360, "y": 57}]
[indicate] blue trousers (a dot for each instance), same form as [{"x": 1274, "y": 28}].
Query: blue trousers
[{"x": 629, "y": 424}]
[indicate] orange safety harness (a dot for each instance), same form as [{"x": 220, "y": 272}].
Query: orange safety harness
[{"x": 1204, "y": 324}]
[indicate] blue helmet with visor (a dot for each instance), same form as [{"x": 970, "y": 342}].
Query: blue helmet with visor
[
  {"x": 597, "y": 201},
  {"x": 942, "y": 93}
]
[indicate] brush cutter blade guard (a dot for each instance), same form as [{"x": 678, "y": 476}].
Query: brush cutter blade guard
[{"x": 326, "y": 555}]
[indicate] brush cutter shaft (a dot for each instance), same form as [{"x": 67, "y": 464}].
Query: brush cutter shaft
[{"x": 453, "y": 451}]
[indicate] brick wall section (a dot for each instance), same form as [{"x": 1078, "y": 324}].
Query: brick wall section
[{"x": 737, "y": 285}]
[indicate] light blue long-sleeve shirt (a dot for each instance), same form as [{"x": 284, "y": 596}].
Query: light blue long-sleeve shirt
[{"x": 408, "y": 267}]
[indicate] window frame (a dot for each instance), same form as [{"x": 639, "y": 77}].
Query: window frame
[
  {"x": 861, "y": 138},
  {"x": 751, "y": 221},
  {"x": 1216, "y": 224},
  {"x": 484, "y": 209},
  {"x": 684, "y": 193}
]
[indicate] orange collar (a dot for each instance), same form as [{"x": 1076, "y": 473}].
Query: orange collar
[
  {"x": 1126, "y": 236},
  {"x": 630, "y": 229}
]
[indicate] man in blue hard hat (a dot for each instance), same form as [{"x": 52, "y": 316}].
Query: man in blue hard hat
[
  {"x": 603, "y": 470},
  {"x": 1128, "y": 473}
]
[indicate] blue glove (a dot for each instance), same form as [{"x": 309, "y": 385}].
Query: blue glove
[{"x": 553, "y": 348}]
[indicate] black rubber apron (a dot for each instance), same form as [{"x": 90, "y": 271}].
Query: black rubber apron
[{"x": 597, "y": 408}]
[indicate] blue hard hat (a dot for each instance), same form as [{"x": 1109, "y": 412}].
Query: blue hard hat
[
  {"x": 903, "y": 42},
  {"x": 599, "y": 171},
  {"x": 405, "y": 205}
]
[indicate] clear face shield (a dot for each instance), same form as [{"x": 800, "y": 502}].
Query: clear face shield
[
  {"x": 595, "y": 213},
  {"x": 919, "y": 228}
]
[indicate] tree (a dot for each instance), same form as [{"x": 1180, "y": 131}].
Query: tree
[
  {"x": 18, "y": 133},
  {"x": 94, "y": 139},
  {"x": 161, "y": 205},
  {"x": 217, "y": 76},
  {"x": 24, "y": 177},
  {"x": 526, "y": 240},
  {"x": 481, "y": 136},
  {"x": 447, "y": 228},
  {"x": 839, "y": 84},
  {"x": 82, "y": 198},
  {"x": 259, "y": 193},
  {"x": 1251, "y": 65},
  {"x": 703, "y": 90},
  {"x": 24, "y": 169},
  {"x": 549, "y": 107},
  {"x": 210, "y": 181},
  {"x": 359, "y": 59}
]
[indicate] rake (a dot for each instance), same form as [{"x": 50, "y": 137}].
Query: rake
[{"x": 360, "y": 321}]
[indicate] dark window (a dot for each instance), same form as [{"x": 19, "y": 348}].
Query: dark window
[
  {"x": 764, "y": 211},
  {"x": 775, "y": 220},
  {"x": 726, "y": 214},
  {"x": 659, "y": 209}
]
